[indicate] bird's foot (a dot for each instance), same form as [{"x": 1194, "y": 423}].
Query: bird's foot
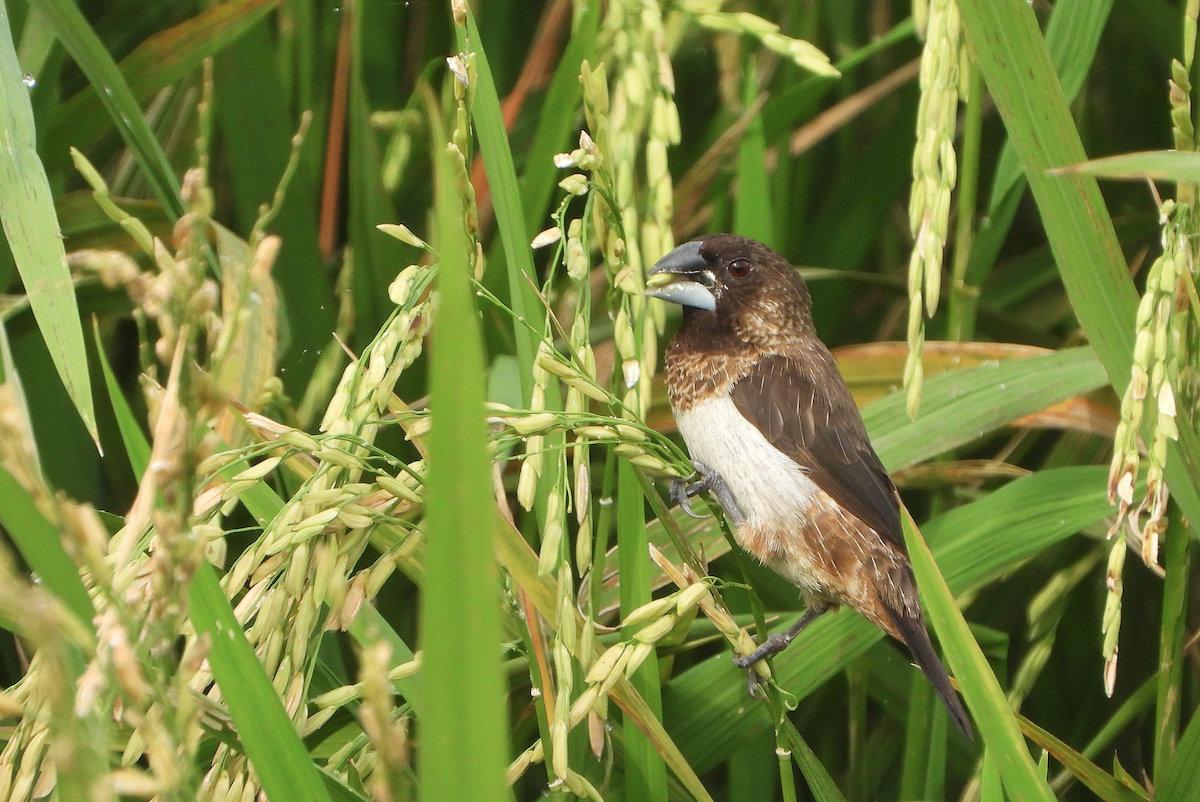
[
  {"x": 775, "y": 644},
  {"x": 682, "y": 491},
  {"x": 754, "y": 685},
  {"x": 771, "y": 647}
]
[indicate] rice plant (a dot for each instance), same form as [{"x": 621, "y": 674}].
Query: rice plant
[{"x": 335, "y": 453}]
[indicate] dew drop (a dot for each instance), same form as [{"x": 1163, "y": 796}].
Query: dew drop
[{"x": 29, "y": 80}]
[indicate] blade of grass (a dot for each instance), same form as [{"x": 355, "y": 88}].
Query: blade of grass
[
  {"x": 752, "y": 215},
  {"x": 377, "y": 257},
  {"x": 1183, "y": 775},
  {"x": 31, "y": 229},
  {"x": 136, "y": 447},
  {"x": 993, "y": 717},
  {"x": 1072, "y": 36},
  {"x": 36, "y": 41},
  {"x": 961, "y": 406},
  {"x": 73, "y": 31},
  {"x": 645, "y": 773},
  {"x": 823, "y": 788},
  {"x": 38, "y": 541},
  {"x": 157, "y": 62},
  {"x": 464, "y": 709},
  {"x": 916, "y": 741},
  {"x": 1099, "y": 781},
  {"x": 1169, "y": 165},
  {"x": 506, "y": 199},
  {"x": 1019, "y": 73},
  {"x": 1129, "y": 710},
  {"x": 268, "y": 737},
  {"x": 751, "y": 769},
  {"x": 935, "y": 771}
]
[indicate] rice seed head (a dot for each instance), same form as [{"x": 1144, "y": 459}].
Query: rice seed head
[{"x": 649, "y": 611}]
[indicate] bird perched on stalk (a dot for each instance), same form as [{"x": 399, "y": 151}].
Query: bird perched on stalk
[{"x": 775, "y": 435}]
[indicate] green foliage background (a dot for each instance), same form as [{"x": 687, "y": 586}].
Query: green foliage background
[{"x": 260, "y": 538}]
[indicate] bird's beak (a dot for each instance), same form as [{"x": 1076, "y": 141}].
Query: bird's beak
[{"x": 683, "y": 277}]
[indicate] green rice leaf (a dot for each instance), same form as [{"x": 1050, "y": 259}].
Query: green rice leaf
[
  {"x": 464, "y": 737},
  {"x": 38, "y": 541},
  {"x": 753, "y": 216},
  {"x": 1167, "y": 165},
  {"x": 645, "y": 775},
  {"x": 268, "y": 738},
  {"x": 960, "y": 406},
  {"x": 31, "y": 228},
  {"x": 136, "y": 446},
  {"x": 1072, "y": 36},
  {"x": 506, "y": 198},
  {"x": 157, "y": 62},
  {"x": 985, "y": 699},
  {"x": 73, "y": 31},
  {"x": 1099, "y": 781},
  {"x": 1020, "y": 76},
  {"x": 1183, "y": 774}
]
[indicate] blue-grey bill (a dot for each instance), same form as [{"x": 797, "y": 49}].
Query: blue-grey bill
[{"x": 685, "y": 292}]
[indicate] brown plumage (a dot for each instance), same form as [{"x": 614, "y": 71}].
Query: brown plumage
[{"x": 774, "y": 432}]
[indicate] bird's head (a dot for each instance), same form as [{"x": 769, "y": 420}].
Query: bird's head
[{"x": 745, "y": 284}]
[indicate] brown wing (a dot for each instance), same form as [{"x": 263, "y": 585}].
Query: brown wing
[{"x": 820, "y": 429}]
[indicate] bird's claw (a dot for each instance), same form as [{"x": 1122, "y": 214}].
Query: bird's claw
[
  {"x": 754, "y": 685},
  {"x": 682, "y": 492}
]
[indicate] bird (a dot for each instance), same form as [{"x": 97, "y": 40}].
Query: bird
[{"x": 775, "y": 435}]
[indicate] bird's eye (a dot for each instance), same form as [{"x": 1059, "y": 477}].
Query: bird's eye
[{"x": 739, "y": 268}]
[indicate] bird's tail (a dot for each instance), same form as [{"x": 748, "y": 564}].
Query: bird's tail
[{"x": 917, "y": 639}]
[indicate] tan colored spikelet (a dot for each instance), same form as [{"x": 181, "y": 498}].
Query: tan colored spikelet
[{"x": 934, "y": 175}]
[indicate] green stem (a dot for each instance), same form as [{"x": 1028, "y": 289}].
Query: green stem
[
  {"x": 1170, "y": 653},
  {"x": 963, "y": 296},
  {"x": 645, "y": 771},
  {"x": 787, "y": 780},
  {"x": 916, "y": 741}
]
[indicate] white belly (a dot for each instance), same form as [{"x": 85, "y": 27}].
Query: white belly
[{"x": 769, "y": 487}]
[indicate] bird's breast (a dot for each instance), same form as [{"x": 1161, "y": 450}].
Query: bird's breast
[
  {"x": 791, "y": 524},
  {"x": 769, "y": 486}
]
